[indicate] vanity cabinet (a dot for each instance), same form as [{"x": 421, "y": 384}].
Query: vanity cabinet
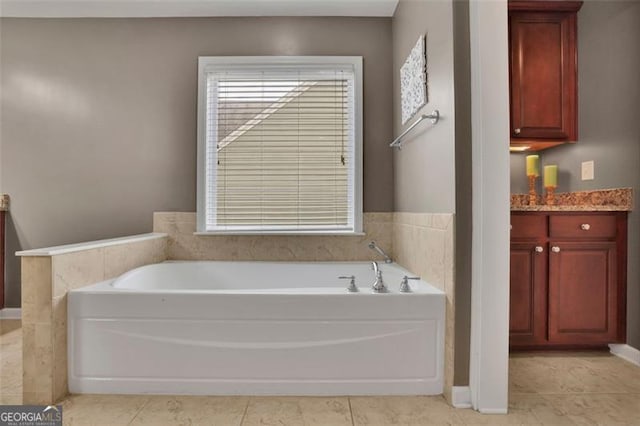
[
  {"x": 528, "y": 294},
  {"x": 528, "y": 277},
  {"x": 2, "y": 243},
  {"x": 568, "y": 279},
  {"x": 543, "y": 72}
]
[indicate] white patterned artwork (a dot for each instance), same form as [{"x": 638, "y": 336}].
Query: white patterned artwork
[{"x": 413, "y": 80}]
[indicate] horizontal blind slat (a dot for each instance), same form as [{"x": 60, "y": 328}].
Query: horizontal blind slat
[{"x": 280, "y": 148}]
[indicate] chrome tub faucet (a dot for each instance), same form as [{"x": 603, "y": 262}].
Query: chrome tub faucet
[
  {"x": 378, "y": 285},
  {"x": 374, "y": 246},
  {"x": 352, "y": 288}
]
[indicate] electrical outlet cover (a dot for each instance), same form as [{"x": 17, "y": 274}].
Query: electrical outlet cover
[{"x": 588, "y": 170}]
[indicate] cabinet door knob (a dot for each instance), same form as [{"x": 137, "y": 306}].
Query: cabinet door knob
[
  {"x": 539, "y": 249},
  {"x": 555, "y": 249},
  {"x": 585, "y": 226},
  {"x": 516, "y": 131}
]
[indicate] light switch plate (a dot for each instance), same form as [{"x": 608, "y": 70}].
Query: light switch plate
[{"x": 588, "y": 170}]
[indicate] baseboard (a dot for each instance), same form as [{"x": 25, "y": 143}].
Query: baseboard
[
  {"x": 461, "y": 396},
  {"x": 626, "y": 352},
  {"x": 10, "y": 313}
]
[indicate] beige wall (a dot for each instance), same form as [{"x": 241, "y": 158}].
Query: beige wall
[{"x": 99, "y": 116}]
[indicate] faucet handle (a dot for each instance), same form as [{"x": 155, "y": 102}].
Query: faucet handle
[
  {"x": 352, "y": 288},
  {"x": 404, "y": 285}
]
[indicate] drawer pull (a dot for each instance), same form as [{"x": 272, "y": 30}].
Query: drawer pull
[
  {"x": 585, "y": 226},
  {"x": 555, "y": 249},
  {"x": 516, "y": 131},
  {"x": 539, "y": 249}
]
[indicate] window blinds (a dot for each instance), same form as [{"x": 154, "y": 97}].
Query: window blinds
[{"x": 280, "y": 149}]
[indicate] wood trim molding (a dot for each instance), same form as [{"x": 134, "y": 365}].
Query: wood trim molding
[
  {"x": 622, "y": 242},
  {"x": 626, "y": 352},
  {"x": 461, "y": 396},
  {"x": 489, "y": 360},
  {"x": 544, "y": 6},
  {"x": 11, "y": 313}
]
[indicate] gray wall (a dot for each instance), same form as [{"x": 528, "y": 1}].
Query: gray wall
[
  {"x": 463, "y": 167},
  {"x": 433, "y": 170},
  {"x": 425, "y": 168},
  {"x": 609, "y": 124},
  {"x": 99, "y": 116}
]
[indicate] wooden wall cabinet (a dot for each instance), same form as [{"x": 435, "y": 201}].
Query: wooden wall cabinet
[
  {"x": 568, "y": 279},
  {"x": 543, "y": 72}
]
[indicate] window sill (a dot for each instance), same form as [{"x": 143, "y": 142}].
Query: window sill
[{"x": 274, "y": 233}]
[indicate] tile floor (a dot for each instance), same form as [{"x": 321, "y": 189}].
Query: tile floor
[{"x": 577, "y": 388}]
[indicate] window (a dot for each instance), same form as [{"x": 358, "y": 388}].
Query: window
[{"x": 280, "y": 145}]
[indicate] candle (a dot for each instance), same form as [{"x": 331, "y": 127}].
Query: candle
[
  {"x": 550, "y": 176},
  {"x": 533, "y": 165}
]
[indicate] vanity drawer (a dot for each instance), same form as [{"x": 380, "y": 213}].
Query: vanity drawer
[
  {"x": 528, "y": 226},
  {"x": 582, "y": 226}
]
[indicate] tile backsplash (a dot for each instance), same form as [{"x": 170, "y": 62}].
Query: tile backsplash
[
  {"x": 184, "y": 245},
  {"x": 423, "y": 243}
]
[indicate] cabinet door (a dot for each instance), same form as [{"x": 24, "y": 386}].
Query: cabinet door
[
  {"x": 582, "y": 293},
  {"x": 528, "y": 301},
  {"x": 2, "y": 214},
  {"x": 543, "y": 76}
]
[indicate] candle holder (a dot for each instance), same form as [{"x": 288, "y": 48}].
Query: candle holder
[
  {"x": 533, "y": 196},
  {"x": 550, "y": 198}
]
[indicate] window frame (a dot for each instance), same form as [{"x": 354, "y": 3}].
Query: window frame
[{"x": 209, "y": 63}]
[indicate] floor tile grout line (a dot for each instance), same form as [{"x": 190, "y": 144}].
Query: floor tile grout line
[
  {"x": 140, "y": 410},
  {"x": 246, "y": 408},
  {"x": 353, "y": 423}
]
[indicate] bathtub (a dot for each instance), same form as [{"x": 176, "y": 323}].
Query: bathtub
[{"x": 256, "y": 328}]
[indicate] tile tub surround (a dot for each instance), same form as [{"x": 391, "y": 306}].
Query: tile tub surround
[
  {"x": 47, "y": 276},
  {"x": 4, "y": 202},
  {"x": 423, "y": 243},
  {"x": 184, "y": 245},
  {"x": 619, "y": 199}
]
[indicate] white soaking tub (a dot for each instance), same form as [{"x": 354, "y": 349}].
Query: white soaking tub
[{"x": 256, "y": 328}]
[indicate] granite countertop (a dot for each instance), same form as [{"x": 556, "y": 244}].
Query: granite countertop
[
  {"x": 619, "y": 199},
  {"x": 4, "y": 202}
]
